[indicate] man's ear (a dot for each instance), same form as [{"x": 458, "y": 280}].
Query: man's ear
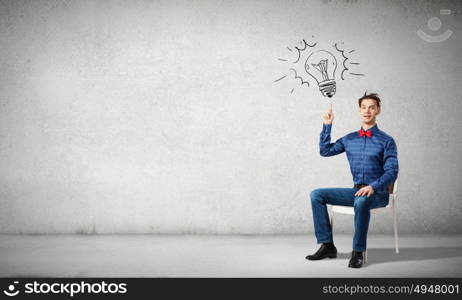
[{"x": 378, "y": 110}]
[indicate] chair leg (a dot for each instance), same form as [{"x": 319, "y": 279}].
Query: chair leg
[
  {"x": 395, "y": 221},
  {"x": 332, "y": 220}
]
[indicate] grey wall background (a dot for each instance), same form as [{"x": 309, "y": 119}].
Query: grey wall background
[{"x": 163, "y": 117}]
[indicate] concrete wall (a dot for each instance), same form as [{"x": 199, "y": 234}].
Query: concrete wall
[{"x": 164, "y": 117}]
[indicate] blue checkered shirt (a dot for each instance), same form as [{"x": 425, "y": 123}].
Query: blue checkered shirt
[{"x": 373, "y": 160}]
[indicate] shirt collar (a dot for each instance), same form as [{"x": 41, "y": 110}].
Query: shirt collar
[{"x": 373, "y": 129}]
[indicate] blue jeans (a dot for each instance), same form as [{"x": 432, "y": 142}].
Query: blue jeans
[{"x": 346, "y": 197}]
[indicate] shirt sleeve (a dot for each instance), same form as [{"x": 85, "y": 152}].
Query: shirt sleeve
[
  {"x": 390, "y": 166},
  {"x": 326, "y": 148}
]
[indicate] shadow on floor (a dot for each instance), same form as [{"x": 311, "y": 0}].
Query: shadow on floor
[{"x": 386, "y": 255}]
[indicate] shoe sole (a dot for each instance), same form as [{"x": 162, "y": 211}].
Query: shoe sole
[
  {"x": 355, "y": 267},
  {"x": 327, "y": 256}
]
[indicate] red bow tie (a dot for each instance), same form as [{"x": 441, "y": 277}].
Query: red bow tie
[{"x": 365, "y": 133}]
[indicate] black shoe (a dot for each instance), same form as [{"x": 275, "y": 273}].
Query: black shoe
[
  {"x": 356, "y": 260},
  {"x": 323, "y": 252}
]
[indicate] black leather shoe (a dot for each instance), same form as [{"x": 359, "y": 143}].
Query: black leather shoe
[
  {"x": 323, "y": 252},
  {"x": 356, "y": 260}
]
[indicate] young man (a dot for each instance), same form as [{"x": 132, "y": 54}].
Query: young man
[{"x": 373, "y": 160}]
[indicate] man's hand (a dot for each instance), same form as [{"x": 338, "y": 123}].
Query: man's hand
[
  {"x": 365, "y": 191},
  {"x": 328, "y": 117}
]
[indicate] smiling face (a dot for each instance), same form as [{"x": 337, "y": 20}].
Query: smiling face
[{"x": 368, "y": 110}]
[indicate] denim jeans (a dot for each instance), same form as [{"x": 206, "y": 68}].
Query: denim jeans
[{"x": 346, "y": 197}]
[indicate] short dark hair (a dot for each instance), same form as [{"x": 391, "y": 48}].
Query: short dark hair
[{"x": 373, "y": 96}]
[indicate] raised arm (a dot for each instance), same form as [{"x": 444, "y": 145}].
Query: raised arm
[{"x": 326, "y": 148}]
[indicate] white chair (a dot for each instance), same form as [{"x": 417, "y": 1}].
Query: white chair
[{"x": 349, "y": 210}]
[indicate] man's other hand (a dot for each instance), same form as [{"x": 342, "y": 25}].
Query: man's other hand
[
  {"x": 365, "y": 191},
  {"x": 328, "y": 117}
]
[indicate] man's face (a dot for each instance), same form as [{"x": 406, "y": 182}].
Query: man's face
[{"x": 368, "y": 111}]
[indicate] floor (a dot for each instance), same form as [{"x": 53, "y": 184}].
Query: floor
[{"x": 222, "y": 256}]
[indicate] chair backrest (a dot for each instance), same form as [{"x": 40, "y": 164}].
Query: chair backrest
[{"x": 393, "y": 188}]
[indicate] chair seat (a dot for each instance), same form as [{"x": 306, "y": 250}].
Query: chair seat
[{"x": 349, "y": 210}]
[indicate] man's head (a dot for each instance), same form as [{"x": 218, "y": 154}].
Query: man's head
[{"x": 369, "y": 108}]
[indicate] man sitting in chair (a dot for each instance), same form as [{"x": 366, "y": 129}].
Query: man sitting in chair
[{"x": 373, "y": 159}]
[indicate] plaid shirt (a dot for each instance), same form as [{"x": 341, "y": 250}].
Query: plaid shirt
[{"x": 373, "y": 160}]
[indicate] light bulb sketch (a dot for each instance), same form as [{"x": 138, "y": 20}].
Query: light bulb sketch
[
  {"x": 325, "y": 65},
  {"x": 321, "y": 65}
]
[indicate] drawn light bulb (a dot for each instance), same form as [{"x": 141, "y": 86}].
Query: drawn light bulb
[{"x": 321, "y": 65}]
